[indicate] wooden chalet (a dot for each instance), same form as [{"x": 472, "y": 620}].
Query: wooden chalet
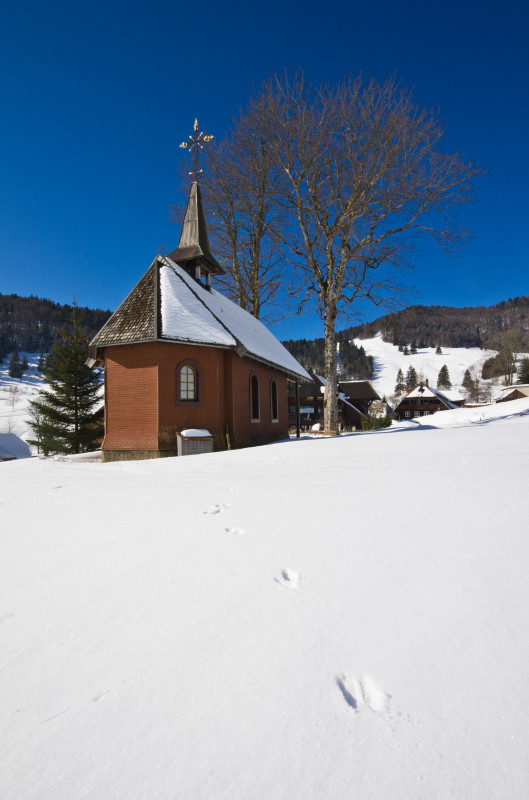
[
  {"x": 354, "y": 401},
  {"x": 517, "y": 392},
  {"x": 179, "y": 355},
  {"x": 425, "y": 400}
]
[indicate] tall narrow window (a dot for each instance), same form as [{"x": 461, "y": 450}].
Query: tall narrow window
[
  {"x": 254, "y": 398},
  {"x": 188, "y": 383},
  {"x": 273, "y": 401}
]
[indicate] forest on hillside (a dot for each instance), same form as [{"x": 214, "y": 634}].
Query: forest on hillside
[
  {"x": 445, "y": 326},
  {"x": 33, "y": 324},
  {"x": 353, "y": 363}
]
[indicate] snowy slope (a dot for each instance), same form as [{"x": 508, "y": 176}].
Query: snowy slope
[
  {"x": 388, "y": 360},
  {"x": 330, "y": 618},
  {"x": 15, "y": 395}
]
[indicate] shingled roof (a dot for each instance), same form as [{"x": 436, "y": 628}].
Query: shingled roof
[
  {"x": 169, "y": 305},
  {"x": 194, "y": 240},
  {"x": 358, "y": 390},
  {"x": 136, "y": 319}
]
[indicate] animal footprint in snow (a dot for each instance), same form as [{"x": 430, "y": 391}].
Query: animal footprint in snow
[
  {"x": 289, "y": 579},
  {"x": 217, "y": 509},
  {"x": 235, "y": 531},
  {"x": 99, "y": 697},
  {"x": 362, "y": 691}
]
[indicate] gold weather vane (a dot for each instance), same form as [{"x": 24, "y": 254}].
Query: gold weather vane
[{"x": 195, "y": 144}]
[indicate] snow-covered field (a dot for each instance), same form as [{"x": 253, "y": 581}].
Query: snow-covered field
[
  {"x": 388, "y": 360},
  {"x": 325, "y": 618}
]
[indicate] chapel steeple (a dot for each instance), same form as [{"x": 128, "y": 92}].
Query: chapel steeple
[{"x": 193, "y": 252}]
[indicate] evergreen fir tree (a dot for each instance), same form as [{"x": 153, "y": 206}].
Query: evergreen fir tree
[
  {"x": 413, "y": 349},
  {"x": 24, "y": 364},
  {"x": 405, "y": 350},
  {"x": 412, "y": 381},
  {"x": 63, "y": 416},
  {"x": 443, "y": 379},
  {"x": 15, "y": 366},
  {"x": 468, "y": 383},
  {"x": 523, "y": 371},
  {"x": 438, "y": 352},
  {"x": 400, "y": 385},
  {"x": 41, "y": 363}
]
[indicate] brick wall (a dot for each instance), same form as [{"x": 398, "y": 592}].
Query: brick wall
[
  {"x": 209, "y": 411},
  {"x": 143, "y": 412},
  {"x": 131, "y": 397},
  {"x": 243, "y": 431}
]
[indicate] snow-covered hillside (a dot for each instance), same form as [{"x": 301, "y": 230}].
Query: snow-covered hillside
[
  {"x": 15, "y": 395},
  {"x": 388, "y": 360},
  {"x": 326, "y": 618}
]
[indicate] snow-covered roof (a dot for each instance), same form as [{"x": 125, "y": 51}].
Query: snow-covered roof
[
  {"x": 429, "y": 391},
  {"x": 12, "y": 446},
  {"x": 450, "y": 394},
  {"x": 422, "y": 391},
  {"x": 521, "y": 387},
  {"x": 168, "y": 304}
]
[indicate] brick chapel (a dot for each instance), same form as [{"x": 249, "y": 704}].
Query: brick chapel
[{"x": 179, "y": 355}]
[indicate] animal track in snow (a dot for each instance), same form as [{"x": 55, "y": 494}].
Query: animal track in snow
[
  {"x": 99, "y": 697},
  {"x": 362, "y": 691},
  {"x": 60, "y": 714},
  {"x": 217, "y": 509},
  {"x": 289, "y": 579},
  {"x": 235, "y": 531}
]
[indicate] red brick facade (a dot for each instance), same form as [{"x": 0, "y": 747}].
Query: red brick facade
[{"x": 144, "y": 413}]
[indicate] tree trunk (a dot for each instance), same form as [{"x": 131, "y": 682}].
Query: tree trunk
[{"x": 330, "y": 402}]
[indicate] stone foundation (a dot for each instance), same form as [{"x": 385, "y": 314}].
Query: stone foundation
[{"x": 135, "y": 455}]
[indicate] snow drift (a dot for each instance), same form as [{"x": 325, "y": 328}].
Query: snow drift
[{"x": 323, "y": 618}]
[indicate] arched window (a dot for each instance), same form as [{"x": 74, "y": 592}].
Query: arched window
[
  {"x": 254, "y": 398},
  {"x": 187, "y": 383},
  {"x": 273, "y": 401}
]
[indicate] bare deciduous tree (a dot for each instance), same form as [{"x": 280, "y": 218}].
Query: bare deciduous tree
[
  {"x": 508, "y": 344},
  {"x": 13, "y": 392},
  {"x": 342, "y": 179},
  {"x": 359, "y": 176}
]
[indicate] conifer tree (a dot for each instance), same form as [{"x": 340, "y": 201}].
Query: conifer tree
[
  {"x": 468, "y": 383},
  {"x": 523, "y": 371},
  {"x": 443, "y": 379},
  {"x": 42, "y": 361},
  {"x": 400, "y": 385},
  {"x": 413, "y": 349},
  {"x": 24, "y": 364},
  {"x": 438, "y": 352},
  {"x": 65, "y": 417},
  {"x": 412, "y": 381},
  {"x": 15, "y": 366}
]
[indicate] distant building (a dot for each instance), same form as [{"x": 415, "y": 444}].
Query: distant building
[
  {"x": 516, "y": 392},
  {"x": 354, "y": 402},
  {"x": 425, "y": 400},
  {"x": 178, "y": 355},
  {"x": 13, "y": 447}
]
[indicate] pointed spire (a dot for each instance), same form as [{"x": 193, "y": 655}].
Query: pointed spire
[{"x": 193, "y": 245}]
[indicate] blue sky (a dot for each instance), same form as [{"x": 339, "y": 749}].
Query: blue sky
[{"x": 96, "y": 97}]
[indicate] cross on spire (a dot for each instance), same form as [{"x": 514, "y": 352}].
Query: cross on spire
[{"x": 195, "y": 144}]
